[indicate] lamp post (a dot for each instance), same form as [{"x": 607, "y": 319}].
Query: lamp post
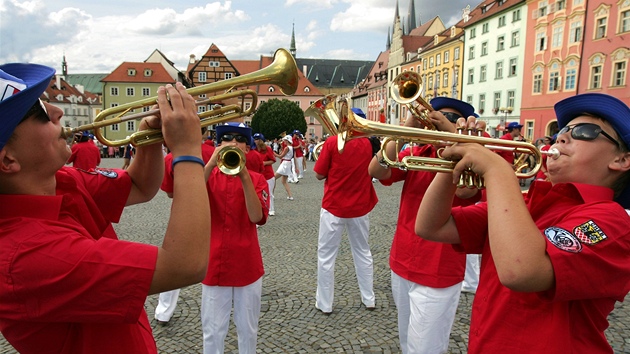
[{"x": 506, "y": 111}]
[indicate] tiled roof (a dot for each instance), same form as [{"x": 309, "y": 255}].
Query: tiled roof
[
  {"x": 334, "y": 73},
  {"x": 91, "y": 82},
  {"x": 120, "y": 74},
  {"x": 487, "y": 8}
]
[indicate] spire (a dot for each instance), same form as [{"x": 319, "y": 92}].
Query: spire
[
  {"x": 396, "y": 15},
  {"x": 292, "y": 49},
  {"x": 389, "y": 40},
  {"x": 412, "y": 16},
  {"x": 64, "y": 66}
]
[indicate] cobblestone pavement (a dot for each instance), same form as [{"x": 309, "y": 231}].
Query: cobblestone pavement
[{"x": 289, "y": 322}]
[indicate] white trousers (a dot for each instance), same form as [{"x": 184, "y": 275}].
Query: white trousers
[
  {"x": 216, "y": 306},
  {"x": 330, "y": 232},
  {"x": 271, "y": 182},
  {"x": 299, "y": 170},
  {"x": 425, "y": 315},
  {"x": 471, "y": 277},
  {"x": 167, "y": 302}
]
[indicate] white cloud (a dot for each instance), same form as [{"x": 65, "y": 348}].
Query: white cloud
[
  {"x": 362, "y": 17},
  {"x": 318, "y": 4}
]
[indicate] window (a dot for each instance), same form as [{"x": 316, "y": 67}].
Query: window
[
  {"x": 537, "y": 83},
  {"x": 497, "y": 100},
  {"x": 502, "y": 21},
  {"x": 556, "y": 39},
  {"x": 500, "y": 43},
  {"x": 431, "y": 62},
  {"x": 516, "y": 39},
  {"x": 511, "y": 98},
  {"x": 471, "y": 52},
  {"x": 482, "y": 73},
  {"x": 624, "y": 21},
  {"x": 113, "y": 91},
  {"x": 437, "y": 80},
  {"x": 484, "y": 49},
  {"x": 447, "y": 56},
  {"x": 202, "y": 76},
  {"x": 596, "y": 77},
  {"x": 146, "y": 91},
  {"x": 228, "y": 76},
  {"x": 146, "y": 108},
  {"x": 473, "y": 33},
  {"x": 575, "y": 32},
  {"x": 554, "y": 81},
  {"x": 131, "y": 72},
  {"x": 445, "y": 80},
  {"x": 542, "y": 8},
  {"x": 600, "y": 27},
  {"x": 569, "y": 82},
  {"x": 131, "y": 126},
  {"x": 115, "y": 127},
  {"x": 424, "y": 64},
  {"x": 516, "y": 15},
  {"x": 456, "y": 54},
  {"x": 471, "y": 76},
  {"x": 214, "y": 64},
  {"x": 541, "y": 41},
  {"x": 561, "y": 5},
  {"x": 148, "y": 72},
  {"x": 469, "y": 99},
  {"x": 482, "y": 102},
  {"x": 499, "y": 70},
  {"x": 484, "y": 28},
  {"x": 271, "y": 89},
  {"x": 513, "y": 66},
  {"x": 577, "y": 2},
  {"x": 438, "y": 59},
  {"x": 131, "y": 91},
  {"x": 619, "y": 73}
]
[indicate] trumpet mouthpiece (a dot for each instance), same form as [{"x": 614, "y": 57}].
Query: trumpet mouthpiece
[{"x": 553, "y": 153}]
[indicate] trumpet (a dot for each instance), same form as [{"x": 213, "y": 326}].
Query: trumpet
[
  {"x": 282, "y": 72},
  {"x": 407, "y": 89},
  {"x": 230, "y": 160},
  {"x": 324, "y": 111}
]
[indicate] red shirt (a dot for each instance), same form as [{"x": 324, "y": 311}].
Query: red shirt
[
  {"x": 507, "y": 155},
  {"x": 268, "y": 155},
  {"x": 254, "y": 162},
  {"x": 68, "y": 284},
  {"x": 167, "y": 182},
  {"x": 297, "y": 147},
  {"x": 541, "y": 173},
  {"x": 348, "y": 189},
  {"x": 85, "y": 155},
  {"x": 413, "y": 258},
  {"x": 235, "y": 258},
  {"x": 588, "y": 241}
]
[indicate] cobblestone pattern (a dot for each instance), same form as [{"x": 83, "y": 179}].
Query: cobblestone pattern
[{"x": 289, "y": 322}]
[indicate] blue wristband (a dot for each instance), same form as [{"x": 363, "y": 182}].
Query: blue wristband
[{"x": 188, "y": 158}]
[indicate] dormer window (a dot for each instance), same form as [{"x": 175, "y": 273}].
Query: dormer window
[
  {"x": 59, "y": 97},
  {"x": 148, "y": 72},
  {"x": 271, "y": 89},
  {"x": 307, "y": 89},
  {"x": 435, "y": 39},
  {"x": 131, "y": 72}
]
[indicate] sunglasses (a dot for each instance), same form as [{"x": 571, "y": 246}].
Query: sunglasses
[
  {"x": 586, "y": 131},
  {"x": 452, "y": 117},
  {"x": 239, "y": 138},
  {"x": 37, "y": 110}
]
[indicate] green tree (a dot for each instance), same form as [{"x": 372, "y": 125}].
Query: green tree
[{"x": 275, "y": 116}]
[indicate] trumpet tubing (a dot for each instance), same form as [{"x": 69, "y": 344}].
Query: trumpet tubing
[
  {"x": 324, "y": 111},
  {"x": 282, "y": 72}
]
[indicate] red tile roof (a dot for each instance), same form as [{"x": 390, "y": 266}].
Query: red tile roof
[{"x": 120, "y": 74}]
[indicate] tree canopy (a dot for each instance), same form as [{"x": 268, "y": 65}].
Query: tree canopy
[{"x": 275, "y": 116}]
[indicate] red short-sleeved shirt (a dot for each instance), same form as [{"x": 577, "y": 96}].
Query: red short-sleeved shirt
[
  {"x": 413, "y": 258},
  {"x": 588, "y": 241},
  {"x": 85, "y": 156},
  {"x": 297, "y": 147},
  {"x": 507, "y": 155},
  {"x": 268, "y": 155},
  {"x": 167, "y": 181},
  {"x": 68, "y": 284},
  {"x": 348, "y": 189},
  {"x": 235, "y": 258},
  {"x": 254, "y": 162},
  {"x": 541, "y": 173}
]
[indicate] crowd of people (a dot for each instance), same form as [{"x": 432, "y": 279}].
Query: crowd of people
[{"x": 545, "y": 284}]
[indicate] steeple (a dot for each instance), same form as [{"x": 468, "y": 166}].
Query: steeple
[
  {"x": 292, "y": 49},
  {"x": 389, "y": 40},
  {"x": 64, "y": 66},
  {"x": 396, "y": 14},
  {"x": 412, "y": 16}
]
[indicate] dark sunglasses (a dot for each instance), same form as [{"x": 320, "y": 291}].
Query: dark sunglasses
[
  {"x": 586, "y": 131},
  {"x": 239, "y": 138},
  {"x": 452, "y": 117},
  {"x": 37, "y": 110}
]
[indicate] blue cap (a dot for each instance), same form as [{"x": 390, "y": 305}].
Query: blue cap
[
  {"x": 514, "y": 125},
  {"x": 464, "y": 108},
  {"x": 296, "y": 131},
  {"x": 358, "y": 112},
  {"x": 233, "y": 127},
  {"x": 21, "y": 85},
  {"x": 607, "y": 107},
  {"x": 259, "y": 136}
]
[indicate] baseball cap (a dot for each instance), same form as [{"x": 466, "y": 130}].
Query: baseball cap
[
  {"x": 296, "y": 131},
  {"x": 358, "y": 112},
  {"x": 259, "y": 136},
  {"x": 21, "y": 85},
  {"x": 464, "y": 108},
  {"x": 233, "y": 127},
  {"x": 514, "y": 125}
]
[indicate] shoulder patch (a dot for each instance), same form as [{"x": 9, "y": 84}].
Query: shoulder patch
[
  {"x": 107, "y": 173},
  {"x": 589, "y": 233},
  {"x": 563, "y": 239}
]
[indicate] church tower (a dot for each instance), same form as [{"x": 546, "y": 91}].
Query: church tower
[{"x": 292, "y": 49}]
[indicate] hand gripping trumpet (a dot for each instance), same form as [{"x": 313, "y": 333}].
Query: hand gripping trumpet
[{"x": 282, "y": 72}]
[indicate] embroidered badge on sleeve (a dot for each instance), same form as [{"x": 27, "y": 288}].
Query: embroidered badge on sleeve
[
  {"x": 589, "y": 233},
  {"x": 107, "y": 173},
  {"x": 563, "y": 239}
]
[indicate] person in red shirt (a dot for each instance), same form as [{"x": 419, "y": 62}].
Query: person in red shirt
[
  {"x": 549, "y": 284},
  {"x": 238, "y": 203},
  {"x": 349, "y": 196},
  {"x": 542, "y": 173},
  {"x": 513, "y": 132},
  {"x": 426, "y": 276},
  {"x": 253, "y": 160},
  {"x": 268, "y": 160},
  {"x": 68, "y": 284},
  {"x": 85, "y": 155},
  {"x": 298, "y": 155}
]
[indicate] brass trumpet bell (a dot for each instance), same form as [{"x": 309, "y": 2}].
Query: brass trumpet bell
[
  {"x": 325, "y": 111},
  {"x": 231, "y": 160},
  {"x": 406, "y": 89},
  {"x": 282, "y": 72}
]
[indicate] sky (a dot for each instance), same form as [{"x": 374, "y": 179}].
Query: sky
[{"x": 97, "y": 36}]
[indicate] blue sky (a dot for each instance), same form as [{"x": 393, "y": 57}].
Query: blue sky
[{"x": 96, "y": 36}]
